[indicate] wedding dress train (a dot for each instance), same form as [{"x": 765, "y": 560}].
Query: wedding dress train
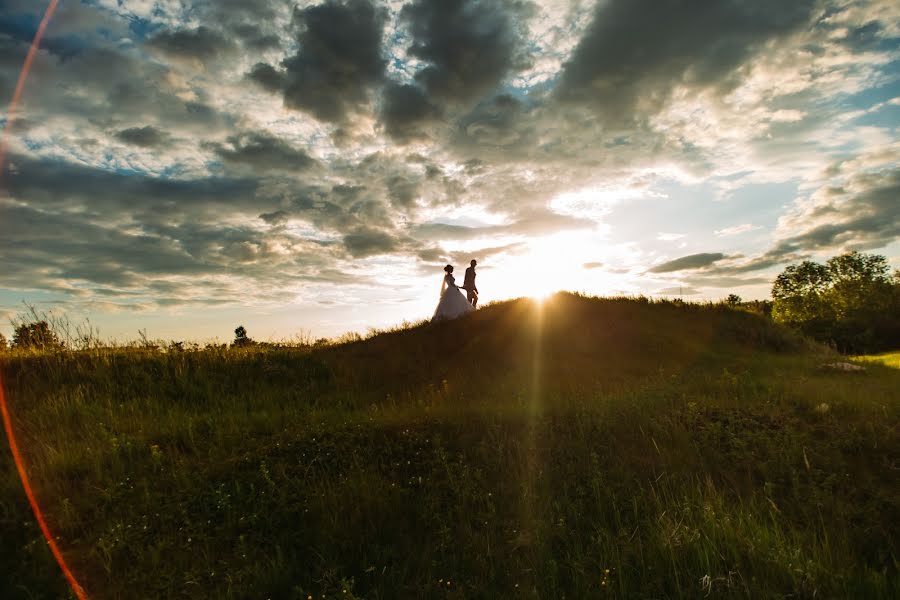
[{"x": 452, "y": 304}]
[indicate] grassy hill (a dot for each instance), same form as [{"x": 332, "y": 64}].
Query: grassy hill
[{"x": 580, "y": 448}]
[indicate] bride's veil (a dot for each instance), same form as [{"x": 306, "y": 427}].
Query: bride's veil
[{"x": 443, "y": 285}]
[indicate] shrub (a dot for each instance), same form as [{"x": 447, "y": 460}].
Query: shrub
[
  {"x": 241, "y": 339},
  {"x": 35, "y": 336}
]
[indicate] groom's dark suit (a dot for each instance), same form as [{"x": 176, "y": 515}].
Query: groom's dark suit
[{"x": 469, "y": 286}]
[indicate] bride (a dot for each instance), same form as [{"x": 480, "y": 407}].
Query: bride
[{"x": 452, "y": 304}]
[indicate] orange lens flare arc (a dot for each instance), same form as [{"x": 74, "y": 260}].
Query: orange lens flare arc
[
  {"x": 4, "y": 409},
  {"x": 23, "y": 75},
  {"x": 35, "y": 507}
]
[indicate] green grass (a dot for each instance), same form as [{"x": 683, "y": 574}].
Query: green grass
[
  {"x": 891, "y": 359},
  {"x": 589, "y": 448}
]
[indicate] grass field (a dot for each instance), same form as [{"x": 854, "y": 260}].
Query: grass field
[
  {"x": 891, "y": 359},
  {"x": 583, "y": 448}
]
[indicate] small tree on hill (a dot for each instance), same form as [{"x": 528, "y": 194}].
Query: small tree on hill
[
  {"x": 36, "y": 336},
  {"x": 240, "y": 338},
  {"x": 733, "y": 300}
]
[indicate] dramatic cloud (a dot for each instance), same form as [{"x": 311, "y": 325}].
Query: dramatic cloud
[
  {"x": 637, "y": 51},
  {"x": 338, "y": 61},
  {"x": 263, "y": 152},
  {"x": 333, "y": 154},
  {"x": 201, "y": 44},
  {"x": 146, "y": 137},
  {"x": 467, "y": 45},
  {"x": 405, "y": 110}
]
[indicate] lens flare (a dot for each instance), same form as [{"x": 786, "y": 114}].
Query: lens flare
[
  {"x": 4, "y": 409},
  {"x": 23, "y": 75}
]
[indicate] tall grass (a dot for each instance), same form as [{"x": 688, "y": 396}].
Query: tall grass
[{"x": 583, "y": 448}]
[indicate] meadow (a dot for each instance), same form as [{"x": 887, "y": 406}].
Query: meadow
[{"x": 579, "y": 448}]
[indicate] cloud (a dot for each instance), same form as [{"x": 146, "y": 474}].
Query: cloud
[
  {"x": 692, "y": 261},
  {"x": 418, "y": 132},
  {"x": 736, "y": 229},
  {"x": 405, "y": 111},
  {"x": 146, "y": 137},
  {"x": 201, "y": 44},
  {"x": 262, "y": 151},
  {"x": 635, "y": 52},
  {"x": 368, "y": 241},
  {"x": 860, "y": 214},
  {"x": 339, "y": 59},
  {"x": 268, "y": 77},
  {"x": 468, "y": 46}
]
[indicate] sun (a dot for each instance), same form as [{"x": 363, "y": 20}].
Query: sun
[{"x": 548, "y": 265}]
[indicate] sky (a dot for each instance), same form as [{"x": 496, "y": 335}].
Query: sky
[{"x": 307, "y": 169}]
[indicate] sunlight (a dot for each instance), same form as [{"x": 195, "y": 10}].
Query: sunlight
[{"x": 549, "y": 264}]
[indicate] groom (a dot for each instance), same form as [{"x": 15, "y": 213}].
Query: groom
[{"x": 469, "y": 285}]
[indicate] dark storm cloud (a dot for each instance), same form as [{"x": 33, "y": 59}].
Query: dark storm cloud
[
  {"x": 267, "y": 76},
  {"x": 253, "y": 22},
  {"x": 469, "y": 45},
  {"x": 146, "y": 137},
  {"x": 202, "y": 44},
  {"x": 263, "y": 152},
  {"x": 338, "y": 60},
  {"x": 275, "y": 218},
  {"x": 692, "y": 261},
  {"x": 635, "y": 51},
  {"x": 405, "y": 111},
  {"x": 255, "y": 38},
  {"x": 368, "y": 241}
]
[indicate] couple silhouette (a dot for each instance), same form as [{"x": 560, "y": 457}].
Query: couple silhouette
[{"x": 452, "y": 303}]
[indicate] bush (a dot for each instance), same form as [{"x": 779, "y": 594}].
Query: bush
[
  {"x": 35, "y": 336},
  {"x": 240, "y": 338}
]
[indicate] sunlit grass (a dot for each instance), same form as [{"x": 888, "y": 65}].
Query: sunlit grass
[
  {"x": 576, "y": 448},
  {"x": 891, "y": 359}
]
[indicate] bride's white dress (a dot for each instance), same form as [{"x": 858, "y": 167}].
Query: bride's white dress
[{"x": 452, "y": 304}]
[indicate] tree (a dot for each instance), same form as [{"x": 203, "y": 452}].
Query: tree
[
  {"x": 733, "y": 300},
  {"x": 240, "y": 338},
  {"x": 36, "y": 336},
  {"x": 850, "y": 301}
]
